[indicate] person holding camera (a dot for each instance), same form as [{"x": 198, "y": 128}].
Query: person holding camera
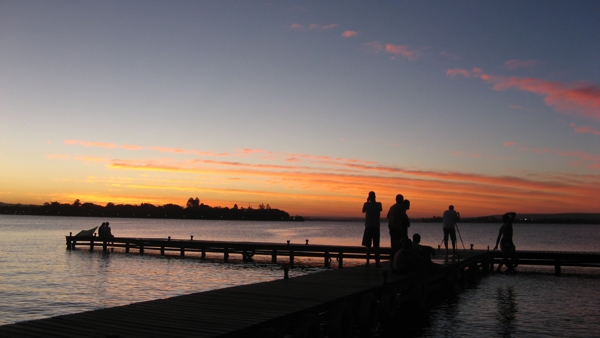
[
  {"x": 372, "y": 210},
  {"x": 450, "y": 218}
]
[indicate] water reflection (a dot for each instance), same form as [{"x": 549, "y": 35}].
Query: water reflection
[{"x": 507, "y": 310}]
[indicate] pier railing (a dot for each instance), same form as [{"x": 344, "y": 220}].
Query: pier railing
[{"x": 247, "y": 250}]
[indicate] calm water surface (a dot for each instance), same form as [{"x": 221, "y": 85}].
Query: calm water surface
[{"x": 40, "y": 278}]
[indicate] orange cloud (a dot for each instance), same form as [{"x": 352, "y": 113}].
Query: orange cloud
[
  {"x": 310, "y": 184},
  {"x": 581, "y": 98},
  {"x": 349, "y": 34},
  {"x": 583, "y": 158},
  {"x": 432, "y": 189},
  {"x": 464, "y": 72},
  {"x": 402, "y": 50},
  {"x": 209, "y": 153},
  {"x": 578, "y": 98},
  {"x": 102, "y": 144},
  {"x": 584, "y": 129},
  {"x": 131, "y": 147},
  {"x": 518, "y": 64},
  {"x": 92, "y": 144},
  {"x": 170, "y": 150}
]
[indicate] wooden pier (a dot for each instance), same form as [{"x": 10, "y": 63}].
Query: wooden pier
[
  {"x": 344, "y": 302},
  {"x": 245, "y": 250}
]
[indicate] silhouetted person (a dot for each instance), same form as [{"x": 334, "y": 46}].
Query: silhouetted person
[
  {"x": 450, "y": 217},
  {"x": 505, "y": 238},
  {"x": 104, "y": 231},
  {"x": 398, "y": 230},
  {"x": 426, "y": 252},
  {"x": 407, "y": 260},
  {"x": 372, "y": 210}
]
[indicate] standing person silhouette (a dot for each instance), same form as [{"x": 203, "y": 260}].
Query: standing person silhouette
[
  {"x": 505, "y": 238},
  {"x": 450, "y": 217},
  {"x": 372, "y": 210},
  {"x": 398, "y": 230}
]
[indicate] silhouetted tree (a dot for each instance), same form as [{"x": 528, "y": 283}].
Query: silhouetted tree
[{"x": 193, "y": 203}]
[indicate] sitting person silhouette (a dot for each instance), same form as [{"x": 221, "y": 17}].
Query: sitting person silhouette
[
  {"x": 426, "y": 252},
  {"x": 407, "y": 260}
]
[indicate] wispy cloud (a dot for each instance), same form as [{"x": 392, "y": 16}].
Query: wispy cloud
[
  {"x": 581, "y": 158},
  {"x": 580, "y": 98},
  {"x": 297, "y": 27},
  {"x": 518, "y": 64},
  {"x": 92, "y": 144},
  {"x": 349, "y": 34},
  {"x": 314, "y": 184},
  {"x": 170, "y": 150},
  {"x": 102, "y": 144},
  {"x": 402, "y": 50},
  {"x": 584, "y": 129},
  {"x": 313, "y": 26},
  {"x": 429, "y": 187}
]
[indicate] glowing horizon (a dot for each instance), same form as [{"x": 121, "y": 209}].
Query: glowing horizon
[{"x": 305, "y": 110}]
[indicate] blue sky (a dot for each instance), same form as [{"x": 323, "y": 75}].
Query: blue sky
[{"x": 491, "y": 106}]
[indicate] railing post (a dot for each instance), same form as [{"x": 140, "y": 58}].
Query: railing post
[
  {"x": 327, "y": 259},
  {"x": 341, "y": 260},
  {"x": 203, "y": 256},
  {"x": 292, "y": 258},
  {"x": 226, "y": 255},
  {"x": 274, "y": 256},
  {"x": 127, "y": 247},
  {"x": 69, "y": 239},
  {"x": 162, "y": 250},
  {"x": 557, "y": 267},
  {"x": 182, "y": 252}
]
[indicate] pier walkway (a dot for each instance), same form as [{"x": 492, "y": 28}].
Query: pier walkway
[{"x": 335, "y": 302}]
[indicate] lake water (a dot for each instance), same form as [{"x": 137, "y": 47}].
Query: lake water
[{"x": 40, "y": 278}]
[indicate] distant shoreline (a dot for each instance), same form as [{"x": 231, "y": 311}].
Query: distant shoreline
[
  {"x": 563, "y": 218},
  {"x": 217, "y": 213},
  {"x": 145, "y": 210}
]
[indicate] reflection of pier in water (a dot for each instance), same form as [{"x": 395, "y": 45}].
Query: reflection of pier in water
[{"x": 337, "y": 301}]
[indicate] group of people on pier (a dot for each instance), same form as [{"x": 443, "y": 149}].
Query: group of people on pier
[{"x": 407, "y": 255}]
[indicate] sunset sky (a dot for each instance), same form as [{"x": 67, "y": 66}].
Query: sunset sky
[{"x": 491, "y": 106}]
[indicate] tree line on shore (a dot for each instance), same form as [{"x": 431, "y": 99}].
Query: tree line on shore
[{"x": 192, "y": 210}]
